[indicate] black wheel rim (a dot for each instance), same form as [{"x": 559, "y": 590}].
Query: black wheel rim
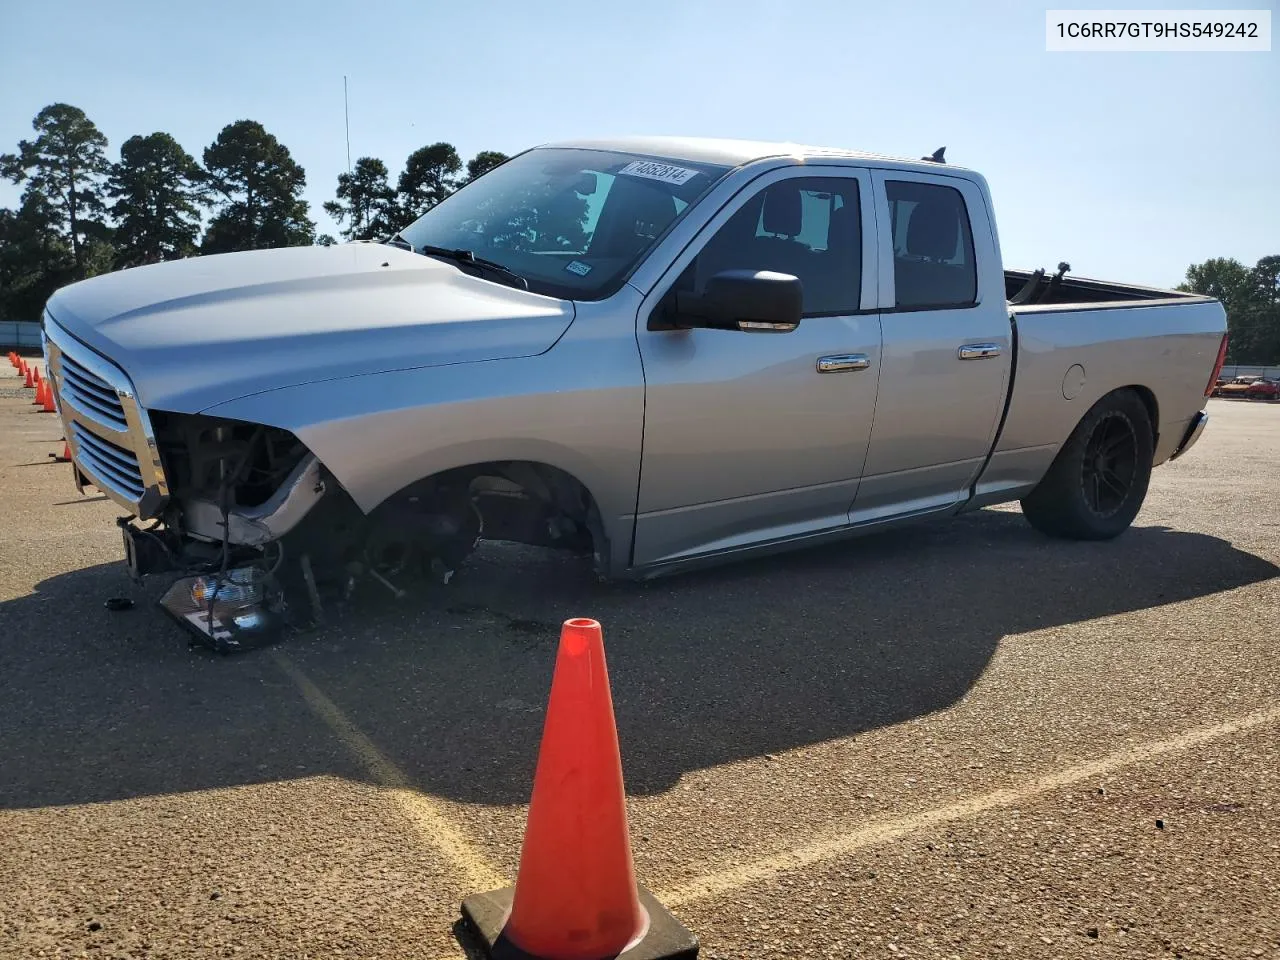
[{"x": 1110, "y": 465}]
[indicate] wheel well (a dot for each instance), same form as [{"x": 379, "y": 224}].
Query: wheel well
[
  {"x": 1153, "y": 409},
  {"x": 520, "y": 500},
  {"x": 1148, "y": 400}
]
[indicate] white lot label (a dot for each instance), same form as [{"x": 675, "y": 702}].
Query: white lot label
[
  {"x": 1134, "y": 31},
  {"x": 665, "y": 172}
]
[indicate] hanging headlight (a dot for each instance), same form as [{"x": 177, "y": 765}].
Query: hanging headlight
[{"x": 223, "y": 608}]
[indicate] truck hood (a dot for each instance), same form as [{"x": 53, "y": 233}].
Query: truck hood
[{"x": 194, "y": 333}]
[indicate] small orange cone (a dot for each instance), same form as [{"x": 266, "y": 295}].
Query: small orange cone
[
  {"x": 575, "y": 896},
  {"x": 30, "y": 382},
  {"x": 39, "y": 400},
  {"x": 66, "y": 453},
  {"x": 48, "y": 405}
]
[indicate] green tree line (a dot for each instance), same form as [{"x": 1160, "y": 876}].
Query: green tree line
[
  {"x": 1251, "y": 297},
  {"x": 79, "y": 214}
]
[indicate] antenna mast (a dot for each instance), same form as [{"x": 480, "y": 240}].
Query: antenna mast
[{"x": 346, "y": 118}]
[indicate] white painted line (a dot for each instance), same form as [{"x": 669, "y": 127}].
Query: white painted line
[
  {"x": 877, "y": 832},
  {"x": 426, "y": 816}
]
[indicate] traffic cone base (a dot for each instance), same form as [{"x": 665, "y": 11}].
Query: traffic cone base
[{"x": 665, "y": 938}]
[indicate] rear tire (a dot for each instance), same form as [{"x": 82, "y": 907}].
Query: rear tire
[{"x": 1096, "y": 485}]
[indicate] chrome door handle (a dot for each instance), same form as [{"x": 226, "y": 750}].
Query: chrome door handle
[
  {"x": 979, "y": 351},
  {"x": 841, "y": 362}
]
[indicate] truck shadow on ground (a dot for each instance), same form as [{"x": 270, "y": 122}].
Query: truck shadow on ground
[{"x": 706, "y": 668}]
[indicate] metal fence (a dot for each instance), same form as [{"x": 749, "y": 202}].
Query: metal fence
[
  {"x": 16, "y": 334},
  {"x": 1246, "y": 370}
]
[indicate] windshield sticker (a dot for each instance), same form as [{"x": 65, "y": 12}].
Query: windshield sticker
[
  {"x": 578, "y": 267},
  {"x": 664, "y": 172}
]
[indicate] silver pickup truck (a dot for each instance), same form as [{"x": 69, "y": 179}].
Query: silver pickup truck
[{"x": 657, "y": 352}]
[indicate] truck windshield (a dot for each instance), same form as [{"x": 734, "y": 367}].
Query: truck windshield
[{"x": 571, "y": 222}]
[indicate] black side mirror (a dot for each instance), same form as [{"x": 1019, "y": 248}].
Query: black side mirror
[{"x": 751, "y": 301}]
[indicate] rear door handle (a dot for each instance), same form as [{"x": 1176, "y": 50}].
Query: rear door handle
[
  {"x": 842, "y": 362},
  {"x": 979, "y": 351}
]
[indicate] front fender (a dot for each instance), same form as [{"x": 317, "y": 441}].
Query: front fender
[{"x": 578, "y": 407}]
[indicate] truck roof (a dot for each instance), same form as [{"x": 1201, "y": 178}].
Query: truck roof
[{"x": 737, "y": 152}]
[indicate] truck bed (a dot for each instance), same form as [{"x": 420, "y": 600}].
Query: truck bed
[{"x": 1082, "y": 291}]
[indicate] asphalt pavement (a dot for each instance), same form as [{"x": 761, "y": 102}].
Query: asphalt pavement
[{"x": 958, "y": 740}]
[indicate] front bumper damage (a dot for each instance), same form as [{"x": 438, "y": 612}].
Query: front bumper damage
[
  {"x": 114, "y": 448},
  {"x": 229, "y": 594},
  {"x": 227, "y": 598},
  {"x": 257, "y": 536},
  {"x": 267, "y": 522}
]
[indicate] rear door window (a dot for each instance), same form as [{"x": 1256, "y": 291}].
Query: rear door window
[{"x": 933, "y": 259}]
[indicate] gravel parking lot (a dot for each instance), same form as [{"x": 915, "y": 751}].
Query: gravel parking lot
[{"x": 962, "y": 740}]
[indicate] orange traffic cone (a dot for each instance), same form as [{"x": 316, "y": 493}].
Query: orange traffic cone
[
  {"x": 48, "y": 405},
  {"x": 66, "y": 453},
  {"x": 30, "y": 381},
  {"x": 575, "y": 896},
  {"x": 39, "y": 400}
]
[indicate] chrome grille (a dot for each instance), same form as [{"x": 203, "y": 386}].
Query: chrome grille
[
  {"x": 113, "y": 465},
  {"x": 92, "y": 394},
  {"x": 110, "y": 434}
]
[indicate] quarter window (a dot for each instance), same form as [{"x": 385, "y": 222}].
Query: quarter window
[
  {"x": 933, "y": 262},
  {"x": 808, "y": 227}
]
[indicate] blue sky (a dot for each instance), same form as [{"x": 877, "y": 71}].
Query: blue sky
[{"x": 1130, "y": 166}]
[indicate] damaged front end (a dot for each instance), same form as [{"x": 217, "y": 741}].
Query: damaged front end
[
  {"x": 235, "y": 491},
  {"x": 260, "y": 535},
  {"x": 266, "y": 539},
  {"x": 263, "y": 537}
]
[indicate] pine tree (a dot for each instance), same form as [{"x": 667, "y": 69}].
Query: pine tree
[
  {"x": 366, "y": 203},
  {"x": 156, "y": 186},
  {"x": 64, "y": 166},
  {"x": 261, "y": 189}
]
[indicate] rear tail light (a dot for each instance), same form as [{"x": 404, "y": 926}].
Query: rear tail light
[{"x": 1217, "y": 367}]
